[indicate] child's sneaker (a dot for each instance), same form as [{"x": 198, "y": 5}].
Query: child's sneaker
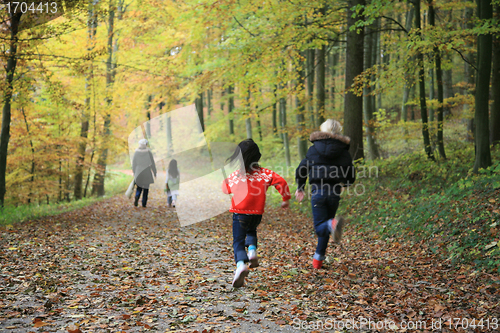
[
  {"x": 317, "y": 263},
  {"x": 337, "y": 226},
  {"x": 252, "y": 256},
  {"x": 239, "y": 276}
]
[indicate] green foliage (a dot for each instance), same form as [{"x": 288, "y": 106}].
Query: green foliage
[{"x": 443, "y": 204}]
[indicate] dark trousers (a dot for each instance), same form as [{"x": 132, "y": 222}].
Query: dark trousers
[
  {"x": 324, "y": 207},
  {"x": 244, "y": 234},
  {"x": 144, "y": 195}
]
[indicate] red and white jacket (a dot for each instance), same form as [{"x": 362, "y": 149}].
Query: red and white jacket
[{"x": 249, "y": 190}]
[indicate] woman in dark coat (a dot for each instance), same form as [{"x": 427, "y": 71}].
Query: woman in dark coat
[
  {"x": 143, "y": 166},
  {"x": 328, "y": 165}
]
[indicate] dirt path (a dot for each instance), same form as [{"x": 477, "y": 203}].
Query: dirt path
[{"x": 112, "y": 267}]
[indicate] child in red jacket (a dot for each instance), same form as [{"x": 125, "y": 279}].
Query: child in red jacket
[{"x": 248, "y": 186}]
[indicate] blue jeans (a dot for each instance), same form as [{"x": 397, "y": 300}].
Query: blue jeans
[
  {"x": 324, "y": 204},
  {"x": 244, "y": 234},
  {"x": 144, "y": 195}
]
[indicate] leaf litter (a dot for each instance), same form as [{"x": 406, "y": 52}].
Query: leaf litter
[{"x": 112, "y": 267}]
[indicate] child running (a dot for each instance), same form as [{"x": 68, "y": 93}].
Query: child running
[
  {"x": 329, "y": 167},
  {"x": 172, "y": 183},
  {"x": 248, "y": 186}
]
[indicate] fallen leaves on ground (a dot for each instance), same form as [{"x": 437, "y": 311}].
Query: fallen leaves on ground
[{"x": 112, "y": 267}]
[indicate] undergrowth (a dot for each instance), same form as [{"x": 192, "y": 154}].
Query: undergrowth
[{"x": 442, "y": 203}]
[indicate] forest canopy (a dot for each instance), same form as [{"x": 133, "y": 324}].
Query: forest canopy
[{"x": 74, "y": 85}]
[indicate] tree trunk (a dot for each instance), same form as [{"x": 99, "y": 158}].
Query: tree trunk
[
  {"x": 32, "y": 172},
  {"x": 275, "y": 113},
  {"x": 495, "y": 90},
  {"x": 333, "y": 72},
  {"x": 100, "y": 174},
  {"x": 353, "y": 105},
  {"x": 369, "y": 101},
  {"x": 431, "y": 90},
  {"x": 284, "y": 130},
  {"x": 484, "y": 52},
  {"x": 230, "y": 108},
  {"x": 248, "y": 121},
  {"x": 199, "y": 108},
  {"x": 10, "y": 69},
  {"x": 84, "y": 128},
  {"x": 470, "y": 73},
  {"x": 439, "y": 81},
  {"x": 209, "y": 101},
  {"x": 147, "y": 132},
  {"x": 320, "y": 85},
  {"x": 421, "y": 82},
  {"x": 310, "y": 60},
  {"x": 301, "y": 121},
  {"x": 408, "y": 75}
]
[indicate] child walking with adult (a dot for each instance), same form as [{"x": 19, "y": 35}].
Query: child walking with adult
[
  {"x": 143, "y": 166},
  {"x": 172, "y": 182},
  {"x": 329, "y": 167},
  {"x": 248, "y": 185}
]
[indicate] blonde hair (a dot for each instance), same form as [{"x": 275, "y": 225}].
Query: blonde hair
[{"x": 331, "y": 126}]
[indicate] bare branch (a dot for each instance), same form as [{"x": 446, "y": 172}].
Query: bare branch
[
  {"x": 393, "y": 20},
  {"x": 241, "y": 25}
]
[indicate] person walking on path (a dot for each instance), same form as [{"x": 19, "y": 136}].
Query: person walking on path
[
  {"x": 248, "y": 186},
  {"x": 329, "y": 167},
  {"x": 172, "y": 183},
  {"x": 143, "y": 166}
]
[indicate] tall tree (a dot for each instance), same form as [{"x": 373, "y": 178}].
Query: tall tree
[
  {"x": 495, "y": 89},
  {"x": 209, "y": 101},
  {"x": 284, "y": 129},
  {"x": 334, "y": 60},
  {"x": 248, "y": 121},
  {"x": 275, "y": 112},
  {"x": 469, "y": 70},
  {"x": 408, "y": 75},
  {"x": 14, "y": 20},
  {"x": 368, "y": 98},
  {"x": 310, "y": 56},
  {"x": 484, "y": 52},
  {"x": 439, "y": 80},
  {"x": 353, "y": 101},
  {"x": 230, "y": 108},
  {"x": 199, "y": 109},
  {"x": 320, "y": 85},
  {"x": 301, "y": 120},
  {"x": 421, "y": 84},
  {"x": 112, "y": 46},
  {"x": 85, "y": 116}
]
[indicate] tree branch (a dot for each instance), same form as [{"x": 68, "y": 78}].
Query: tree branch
[
  {"x": 241, "y": 25},
  {"x": 393, "y": 20},
  {"x": 464, "y": 58}
]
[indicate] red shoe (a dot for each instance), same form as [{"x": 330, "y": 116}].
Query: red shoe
[{"x": 317, "y": 263}]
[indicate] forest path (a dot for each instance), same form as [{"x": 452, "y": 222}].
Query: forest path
[{"x": 112, "y": 267}]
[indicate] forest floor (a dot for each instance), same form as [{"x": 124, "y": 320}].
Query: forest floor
[{"x": 113, "y": 267}]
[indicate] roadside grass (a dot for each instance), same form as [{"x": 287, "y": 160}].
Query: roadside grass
[{"x": 116, "y": 183}]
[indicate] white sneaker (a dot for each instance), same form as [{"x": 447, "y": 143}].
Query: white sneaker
[
  {"x": 239, "y": 276},
  {"x": 173, "y": 204},
  {"x": 252, "y": 256}
]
